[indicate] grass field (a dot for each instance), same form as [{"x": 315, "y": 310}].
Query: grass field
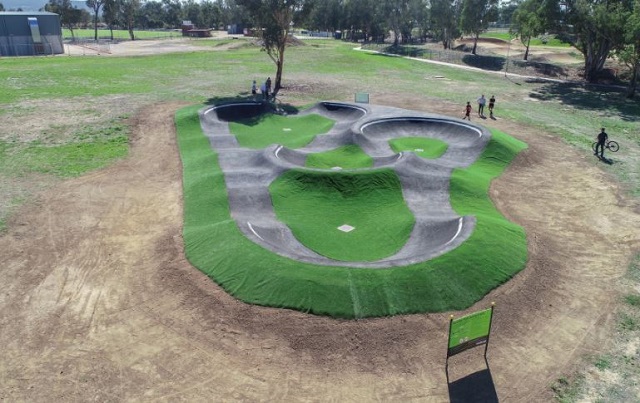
[{"x": 50, "y": 101}]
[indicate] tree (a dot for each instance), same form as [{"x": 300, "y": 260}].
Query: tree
[
  {"x": 191, "y": 11},
  {"x": 95, "y": 6},
  {"x": 211, "y": 14},
  {"x": 322, "y": 14},
  {"x": 69, "y": 15},
  {"x": 629, "y": 52},
  {"x": 445, "y": 17},
  {"x": 151, "y": 15},
  {"x": 1, "y": 7},
  {"x": 273, "y": 20},
  {"x": 598, "y": 28},
  {"x": 364, "y": 18},
  {"x": 476, "y": 16},
  {"x": 402, "y": 16},
  {"x": 172, "y": 13},
  {"x": 110, "y": 14},
  {"x": 528, "y": 22},
  {"x": 128, "y": 11},
  {"x": 506, "y": 10}
]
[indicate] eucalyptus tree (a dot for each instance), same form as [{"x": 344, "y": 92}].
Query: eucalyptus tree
[
  {"x": 69, "y": 14},
  {"x": 528, "y": 21},
  {"x": 445, "y": 20},
  {"x": 365, "y": 16},
  {"x": 151, "y": 15},
  {"x": 173, "y": 15},
  {"x": 402, "y": 16},
  {"x": 191, "y": 11},
  {"x": 95, "y": 6},
  {"x": 327, "y": 15},
  {"x": 273, "y": 21},
  {"x": 598, "y": 27},
  {"x": 629, "y": 52},
  {"x": 211, "y": 14},
  {"x": 476, "y": 16},
  {"x": 110, "y": 14},
  {"x": 128, "y": 11}
]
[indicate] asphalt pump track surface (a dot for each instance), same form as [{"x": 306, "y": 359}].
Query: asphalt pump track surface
[{"x": 425, "y": 182}]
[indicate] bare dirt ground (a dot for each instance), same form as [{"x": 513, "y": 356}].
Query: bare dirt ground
[
  {"x": 99, "y": 303},
  {"x": 154, "y": 47}
]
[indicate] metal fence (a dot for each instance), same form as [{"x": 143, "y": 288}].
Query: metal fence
[{"x": 83, "y": 46}]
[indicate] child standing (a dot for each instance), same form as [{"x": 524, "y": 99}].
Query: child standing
[{"x": 467, "y": 111}]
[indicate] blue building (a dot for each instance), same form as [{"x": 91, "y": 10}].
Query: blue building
[{"x": 30, "y": 34}]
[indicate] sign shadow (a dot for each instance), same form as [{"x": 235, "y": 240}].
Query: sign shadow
[{"x": 475, "y": 387}]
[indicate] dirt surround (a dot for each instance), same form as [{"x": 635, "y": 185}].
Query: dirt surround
[{"x": 98, "y": 301}]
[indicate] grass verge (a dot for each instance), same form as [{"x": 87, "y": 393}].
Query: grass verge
[{"x": 493, "y": 254}]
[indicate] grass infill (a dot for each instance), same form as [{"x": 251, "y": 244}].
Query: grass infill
[
  {"x": 289, "y": 131},
  {"x": 314, "y": 204},
  {"x": 347, "y": 157},
  {"x": 423, "y": 147},
  {"x": 495, "y": 251}
]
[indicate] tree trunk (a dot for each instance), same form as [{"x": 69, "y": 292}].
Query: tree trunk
[
  {"x": 526, "y": 52},
  {"x": 475, "y": 43},
  {"x": 631, "y": 89},
  {"x": 279, "y": 65},
  {"x": 95, "y": 27},
  {"x": 595, "y": 55}
]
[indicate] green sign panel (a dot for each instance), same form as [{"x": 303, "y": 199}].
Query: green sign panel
[{"x": 469, "y": 331}]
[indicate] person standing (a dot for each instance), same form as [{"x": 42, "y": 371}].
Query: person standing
[
  {"x": 254, "y": 89},
  {"x": 602, "y": 139},
  {"x": 263, "y": 90},
  {"x": 481, "y": 103},
  {"x": 268, "y": 84},
  {"x": 492, "y": 103},
  {"x": 467, "y": 111}
]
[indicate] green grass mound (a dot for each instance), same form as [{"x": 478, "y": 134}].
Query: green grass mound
[
  {"x": 421, "y": 146},
  {"x": 314, "y": 204},
  {"x": 347, "y": 157},
  {"x": 493, "y": 254},
  {"x": 289, "y": 131}
]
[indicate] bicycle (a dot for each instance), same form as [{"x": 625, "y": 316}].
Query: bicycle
[{"x": 609, "y": 145}]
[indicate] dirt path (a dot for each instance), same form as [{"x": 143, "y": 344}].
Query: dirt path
[{"x": 99, "y": 303}]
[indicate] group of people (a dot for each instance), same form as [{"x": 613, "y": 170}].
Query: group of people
[
  {"x": 265, "y": 89},
  {"x": 482, "y": 101}
]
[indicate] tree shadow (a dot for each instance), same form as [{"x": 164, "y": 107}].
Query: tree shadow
[
  {"x": 256, "y": 111},
  {"x": 545, "y": 69},
  {"x": 491, "y": 63},
  {"x": 591, "y": 97},
  {"x": 476, "y": 387},
  {"x": 403, "y": 50}
]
